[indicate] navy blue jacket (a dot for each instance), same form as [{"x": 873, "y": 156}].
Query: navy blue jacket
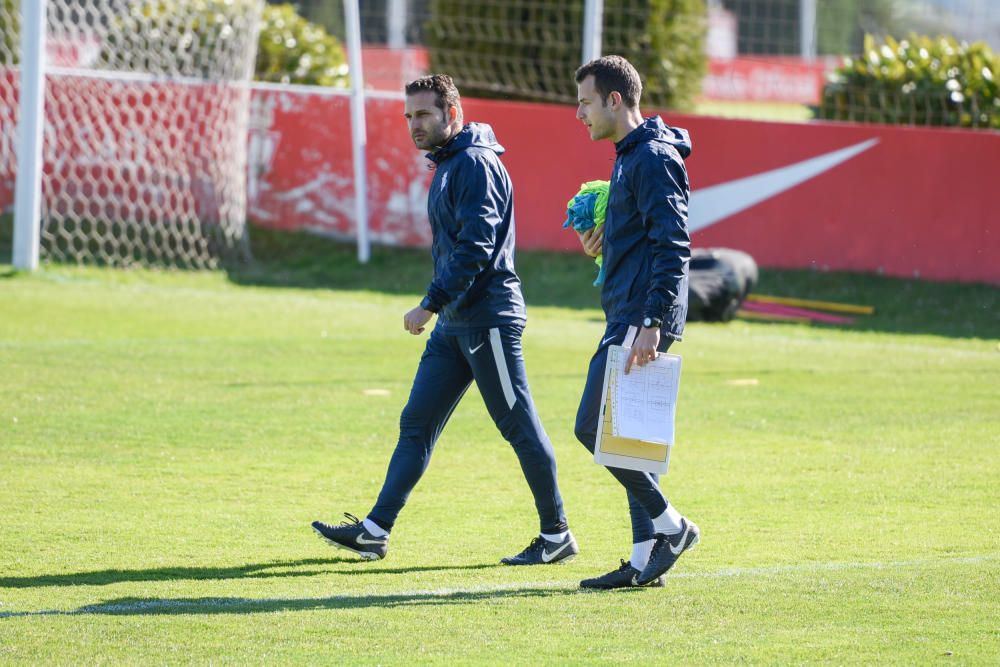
[
  {"x": 646, "y": 244},
  {"x": 471, "y": 210}
]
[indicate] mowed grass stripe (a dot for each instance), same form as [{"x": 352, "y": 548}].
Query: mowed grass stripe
[
  {"x": 176, "y": 433},
  {"x": 263, "y": 604}
]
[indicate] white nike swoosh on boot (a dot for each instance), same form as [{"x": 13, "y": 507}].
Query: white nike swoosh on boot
[
  {"x": 360, "y": 539},
  {"x": 680, "y": 546},
  {"x": 547, "y": 556}
]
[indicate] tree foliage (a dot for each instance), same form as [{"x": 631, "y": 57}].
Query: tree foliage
[
  {"x": 920, "y": 80},
  {"x": 9, "y": 32},
  {"x": 841, "y": 25},
  {"x": 530, "y": 50},
  {"x": 194, "y": 38},
  {"x": 290, "y": 48},
  {"x": 294, "y": 50}
]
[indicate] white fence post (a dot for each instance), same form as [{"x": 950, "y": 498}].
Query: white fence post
[
  {"x": 395, "y": 23},
  {"x": 30, "y": 125},
  {"x": 352, "y": 18},
  {"x": 807, "y": 29},
  {"x": 593, "y": 25}
]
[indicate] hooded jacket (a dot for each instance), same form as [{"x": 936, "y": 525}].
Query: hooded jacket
[
  {"x": 471, "y": 209},
  {"x": 646, "y": 243}
]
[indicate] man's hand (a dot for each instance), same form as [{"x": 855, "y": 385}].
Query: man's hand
[
  {"x": 415, "y": 320},
  {"x": 644, "y": 348},
  {"x": 592, "y": 240}
]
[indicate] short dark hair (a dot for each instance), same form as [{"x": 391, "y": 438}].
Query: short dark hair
[
  {"x": 613, "y": 73},
  {"x": 445, "y": 93}
]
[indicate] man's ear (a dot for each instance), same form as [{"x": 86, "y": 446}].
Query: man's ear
[
  {"x": 615, "y": 98},
  {"x": 452, "y": 114}
]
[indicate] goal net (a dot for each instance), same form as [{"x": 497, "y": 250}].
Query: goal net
[{"x": 145, "y": 135}]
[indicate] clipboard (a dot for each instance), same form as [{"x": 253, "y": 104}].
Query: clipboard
[{"x": 620, "y": 452}]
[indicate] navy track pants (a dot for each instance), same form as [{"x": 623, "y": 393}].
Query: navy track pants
[
  {"x": 645, "y": 500},
  {"x": 450, "y": 363}
]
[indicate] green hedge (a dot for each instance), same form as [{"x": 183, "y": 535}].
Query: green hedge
[
  {"x": 10, "y": 47},
  {"x": 290, "y": 49},
  {"x": 294, "y": 50},
  {"x": 919, "y": 81},
  {"x": 530, "y": 51},
  {"x": 195, "y": 38},
  {"x": 6, "y": 238}
]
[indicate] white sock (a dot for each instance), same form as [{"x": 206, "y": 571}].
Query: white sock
[
  {"x": 668, "y": 523},
  {"x": 374, "y": 528},
  {"x": 640, "y": 554},
  {"x": 555, "y": 537}
]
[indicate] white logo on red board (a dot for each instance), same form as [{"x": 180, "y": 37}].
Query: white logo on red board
[{"x": 717, "y": 202}]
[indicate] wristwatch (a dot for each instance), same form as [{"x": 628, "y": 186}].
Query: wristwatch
[{"x": 652, "y": 322}]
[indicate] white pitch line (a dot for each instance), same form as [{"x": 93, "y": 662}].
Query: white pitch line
[
  {"x": 401, "y": 596},
  {"x": 817, "y": 567}
]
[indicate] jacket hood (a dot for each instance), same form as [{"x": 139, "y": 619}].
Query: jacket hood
[
  {"x": 654, "y": 129},
  {"x": 473, "y": 134}
]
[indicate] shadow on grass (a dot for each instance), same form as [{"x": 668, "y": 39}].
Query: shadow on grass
[
  {"x": 909, "y": 306},
  {"x": 307, "y": 261},
  {"x": 207, "y": 605},
  {"x": 303, "y": 260},
  {"x": 7, "y": 241},
  {"x": 252, "y": 571}
]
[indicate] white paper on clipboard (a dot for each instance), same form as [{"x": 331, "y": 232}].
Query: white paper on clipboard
[{"x": 644, "y": 402}]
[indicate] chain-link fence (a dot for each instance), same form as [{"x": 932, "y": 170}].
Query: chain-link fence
[
  {"x": 765, "y": 27},
  {"x": 757, "y": 50},
  {"x": 838, "y": 27}
]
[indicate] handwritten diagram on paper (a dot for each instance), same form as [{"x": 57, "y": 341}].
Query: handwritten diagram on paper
[{"x": 645, "y": 401}]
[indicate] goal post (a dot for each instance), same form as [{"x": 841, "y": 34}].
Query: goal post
[
  {"x": 146, "y": 111},
  {"x": 31, "y": 103}
]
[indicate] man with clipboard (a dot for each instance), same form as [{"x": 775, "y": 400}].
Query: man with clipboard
[{"x": 646, "y": 247}]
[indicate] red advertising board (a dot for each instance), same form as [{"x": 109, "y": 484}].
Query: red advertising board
[
  {"x": 301, "y": 168},
  {"x": 762, "y": 79},
  {"x": 900, "y": 201}
]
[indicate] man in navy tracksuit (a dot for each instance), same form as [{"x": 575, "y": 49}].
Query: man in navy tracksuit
[
  {"x": 646, "y": 248},
  {"x": 476, "y": 295}
]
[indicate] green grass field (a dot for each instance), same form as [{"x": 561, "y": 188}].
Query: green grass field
[{"x": 166, "y": 438}]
